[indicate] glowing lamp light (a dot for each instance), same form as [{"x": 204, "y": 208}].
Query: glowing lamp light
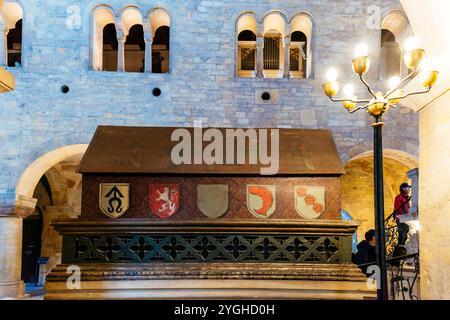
[
  {"x": 394, "y": 82},
  {"x": 361, "y": 50},
  {"x": 429, "y": 74},
  {"x": 412, "y": 43},
  {"x": 332, "y": 75}
]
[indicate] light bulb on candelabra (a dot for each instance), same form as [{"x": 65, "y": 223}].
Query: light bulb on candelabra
[
  {"x": 361, "y": 50},
  {"x": 349, "y": 91},
  {"x": 332, "y": 75},
  {"x": 411, "y": 44},
  {"x": 429, "y": 73},
  {"x": 394, "y": 82}
]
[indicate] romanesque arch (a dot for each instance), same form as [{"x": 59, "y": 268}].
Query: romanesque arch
[
  {"x": 30, "y": 178},
  {"x": 301, "y": 28},
  {"x": 357, "y": 184},
  {"x": 51, "y": 183}
]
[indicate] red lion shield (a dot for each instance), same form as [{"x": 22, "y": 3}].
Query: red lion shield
[{"x": 164, "y": 199}]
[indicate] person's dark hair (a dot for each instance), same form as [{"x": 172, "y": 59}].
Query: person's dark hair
[
  {"x": 404, "y": 185},
  {"x": 370, "y": 234}
]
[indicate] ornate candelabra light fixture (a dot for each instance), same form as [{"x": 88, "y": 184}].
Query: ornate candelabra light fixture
[{"x": 377, "y": 105}]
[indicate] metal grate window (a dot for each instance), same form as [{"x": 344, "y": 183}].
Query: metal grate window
[{"x": 272, "y": 52}]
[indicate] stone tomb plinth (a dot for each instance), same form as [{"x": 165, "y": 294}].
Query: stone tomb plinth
[{"x": 152, "y": 229}]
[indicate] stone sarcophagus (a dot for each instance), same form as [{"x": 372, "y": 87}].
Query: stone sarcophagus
[{"x": 209, "y": 213}]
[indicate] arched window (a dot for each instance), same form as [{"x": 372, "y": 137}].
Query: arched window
[
  {"x": 246, "y": 46},
  {"x": 160, "y": 25},
  {"x": 160, "y": 50},
  {"x": 11, "y": 16},
  {"x": 301, "y": 48},
  {"x": 390, "y": 55},
  {"x": 395, "y": 29},
  {"x": 135, "y": 49},
  {"x": 14, "y": 40},
  {"x": 273, "y": 54},
  {"x": 298, "y": 49},
  {"x": 134, "y": 45},
  {"x": 272, "y": 57},
  {"x": 247, "y": 51},
  {"x": 110, "y": 48},
  {"x": 103, "y": 31}
]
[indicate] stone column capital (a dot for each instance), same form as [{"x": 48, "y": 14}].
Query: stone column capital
[
  {"x": 120, "y": 35},
  {"x": 22, "y": 207},
  {"x": 260, "y": 41},
  {"x": 148, "y": 39}
]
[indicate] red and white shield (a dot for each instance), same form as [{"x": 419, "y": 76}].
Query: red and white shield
[
  {"x": 261, "y": 200},
  {"x": 164, "y": 199},
  {"x": 309, "y": 201}
]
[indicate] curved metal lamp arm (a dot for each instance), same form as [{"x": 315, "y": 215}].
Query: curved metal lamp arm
[
  {"x": 354, "y": 101},
  {"x": 359, "y": 108},
  {"x": 402, "y": 82},
  {"x": 412, "y": 94},
  {"x": 367, "y": 85}
]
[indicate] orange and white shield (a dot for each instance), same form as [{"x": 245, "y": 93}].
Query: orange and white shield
[
  {"x": 309, "y": 201},
  {"x": 261, "y": 200}
]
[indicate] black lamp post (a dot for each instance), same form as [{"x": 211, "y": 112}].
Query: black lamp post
[{"x": 380, "y": 236}]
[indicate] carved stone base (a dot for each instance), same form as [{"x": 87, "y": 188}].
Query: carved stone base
[
  {"x": 12, "y": 290},
  {"x": 211, "y": 281}
]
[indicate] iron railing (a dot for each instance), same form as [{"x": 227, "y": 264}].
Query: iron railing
[{"x": 403, "y": 272}]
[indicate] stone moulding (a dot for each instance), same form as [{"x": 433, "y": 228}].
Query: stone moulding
[
  {"x": 210, "y": 281},
  {"x": 324, "y": 227},
  {"x": 164, "y": 271}
]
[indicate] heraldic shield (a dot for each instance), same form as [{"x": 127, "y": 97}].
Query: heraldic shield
[
  {"x": 164, "y": 199},
  {"x": 309, "y": 201},
  {"x": 114, "y": 198},
  {"x": 212, "y": 199},
  {"x": 261, "y": 201}
]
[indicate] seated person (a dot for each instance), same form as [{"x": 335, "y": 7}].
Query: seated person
[{"x": 366, "y": 250}]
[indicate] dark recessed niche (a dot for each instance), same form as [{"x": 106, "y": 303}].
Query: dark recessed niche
[
  {"x": 265, "y": 96},
  {"x": 64, "y": 89},
  {"x": 156, "y": 92}
]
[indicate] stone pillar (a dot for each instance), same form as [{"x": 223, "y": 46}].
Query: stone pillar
[
  {"x": 434, "y": 204},
  {"x": 121, "y": 51},
  {"x": 11, "y": 285},
  {"x": 11, "y": 217},
  {"x": 3, "y": 44},
  {"x": 148, "y": 37},
  {"x": 287, "y": 60},
  {"x": 259, "y": 53}
]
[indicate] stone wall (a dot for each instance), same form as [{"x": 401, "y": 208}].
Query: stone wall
[
  {"x": 68, "y": 205},
  {"x": 38, "y": 117},
  {"x": 434, "y": 200}
]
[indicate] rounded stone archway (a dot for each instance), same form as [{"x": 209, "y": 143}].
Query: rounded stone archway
[
  {"x": 358, "y": 185},
  {"x": 33, "y": 173},
  {"x": 49, "y": 189}
]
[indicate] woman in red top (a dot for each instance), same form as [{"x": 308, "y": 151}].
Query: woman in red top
[{"x": 401, "y": 207}]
